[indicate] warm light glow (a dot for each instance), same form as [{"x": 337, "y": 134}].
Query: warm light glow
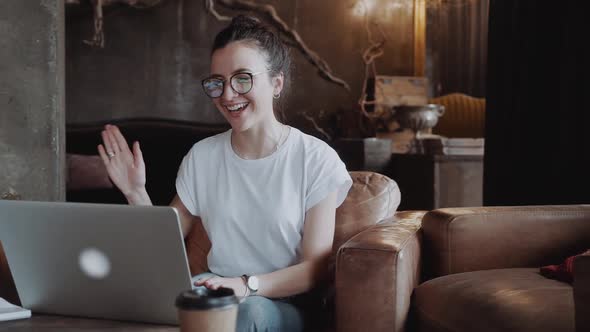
[
  {"x": 363, "y": 7},
  {"x": 394, "y": 5}
]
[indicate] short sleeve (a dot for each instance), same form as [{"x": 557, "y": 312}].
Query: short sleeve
[
  {"x": 327, "y": 173},
  {"x": 186, "y": 183}
]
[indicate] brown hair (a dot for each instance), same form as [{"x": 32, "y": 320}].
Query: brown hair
[{"x": 249, "y": 29}]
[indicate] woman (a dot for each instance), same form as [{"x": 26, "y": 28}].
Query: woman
[{"x": 266, "y": 193}]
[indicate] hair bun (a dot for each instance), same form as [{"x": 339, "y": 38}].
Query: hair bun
[{"x": 245, "y": 21}]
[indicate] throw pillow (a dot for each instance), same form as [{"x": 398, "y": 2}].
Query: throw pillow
[{"x": 562, "y": 272}]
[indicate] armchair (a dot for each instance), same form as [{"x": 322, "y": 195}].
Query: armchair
[{"x": 473, "y": 269}]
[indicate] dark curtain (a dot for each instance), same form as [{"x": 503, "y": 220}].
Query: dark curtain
[
  {"x": 537, "y": 112},
  {"x": 456, "y": 46}
]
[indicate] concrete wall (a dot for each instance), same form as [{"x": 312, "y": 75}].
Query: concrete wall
[
  {"x": 154, "y": 59},
  {"x": 32, "y": 114}
]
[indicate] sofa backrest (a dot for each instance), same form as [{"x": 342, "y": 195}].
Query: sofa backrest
[{"x": 466, "y": 239}]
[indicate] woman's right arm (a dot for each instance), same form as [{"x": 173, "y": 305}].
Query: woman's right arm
[
  {"x": 187, "y": 220},
  {"x": 126, "y": 169}
]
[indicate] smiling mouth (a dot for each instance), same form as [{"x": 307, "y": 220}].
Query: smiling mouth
[{"x": 236, "y": 107}]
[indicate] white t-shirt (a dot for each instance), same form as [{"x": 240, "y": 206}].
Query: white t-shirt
[{"x": 253, "y": 210}]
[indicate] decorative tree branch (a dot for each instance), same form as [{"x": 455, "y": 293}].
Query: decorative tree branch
[
  {"x": 374, "y": 51},
  {"x": 210, "y": 6},
  {"x": 292, "y": 37},
  {"x": 98, "y": 37},
  {"x": 316, "y": 126}
]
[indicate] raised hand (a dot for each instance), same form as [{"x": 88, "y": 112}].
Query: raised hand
[{"x": 126, "y": 168}]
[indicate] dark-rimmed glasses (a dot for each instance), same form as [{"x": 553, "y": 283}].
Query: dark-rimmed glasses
[{"x": 241, "y": 83}]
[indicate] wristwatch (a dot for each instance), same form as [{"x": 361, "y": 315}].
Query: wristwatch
[{"x": 251, "y": 283}]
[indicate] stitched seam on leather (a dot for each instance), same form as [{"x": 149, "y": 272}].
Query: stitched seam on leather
[
  {"x": 402, "y": 245},
  {"x": 522, "y": 212},
  {"x": 388, "y": 200},
  {"x": 449, "y": 251},
  {"x": 395, "y": 292}
]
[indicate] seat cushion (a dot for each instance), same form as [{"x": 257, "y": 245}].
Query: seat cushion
[{"x": 494, "y": 300}]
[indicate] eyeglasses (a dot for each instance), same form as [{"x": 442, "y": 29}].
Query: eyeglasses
[{"x": 241, "y": 83}]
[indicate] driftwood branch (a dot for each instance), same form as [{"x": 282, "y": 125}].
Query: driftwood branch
[
  {"x": 292, "y": 37},
  {"x": 316, "y": 126},
  {"x": 372, "y": 52},
  {"x": 210, "y": 7},
  {"x": 98, "y": 37}
]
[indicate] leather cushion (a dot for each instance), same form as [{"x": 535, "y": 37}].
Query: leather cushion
[
  {"x": 518, "y": 299},
  {"x": 481, "y": 238},
  {"x": 373, "y": 197}
]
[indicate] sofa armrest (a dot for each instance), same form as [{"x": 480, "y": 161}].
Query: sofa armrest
[
  {"x": 470, "y": 239},
  {"x": 376, "y": 272},
  {"x": 582, "y": 291}
]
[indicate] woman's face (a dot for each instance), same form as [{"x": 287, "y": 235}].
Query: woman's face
[{"x": 254, "y": 108}]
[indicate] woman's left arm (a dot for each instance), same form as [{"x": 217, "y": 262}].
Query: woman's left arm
[{"x": 316, "y": 246}]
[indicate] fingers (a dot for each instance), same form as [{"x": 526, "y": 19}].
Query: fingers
[
  {"x": 112, "y": 140},
  {"x": 103, "y": 154},
  {"x": 138, "y": 156},
  {"x": 108, "y": 145},
  {"x": 201, "y": 281},
  {"x": 119, "y": 138},
  {"x": 211, "y": 282}
]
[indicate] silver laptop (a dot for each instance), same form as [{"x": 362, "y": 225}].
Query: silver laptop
[{"x": 96, "y": 260}]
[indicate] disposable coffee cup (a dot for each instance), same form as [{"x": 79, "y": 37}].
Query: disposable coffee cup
[{"x": 206, "y": 310}]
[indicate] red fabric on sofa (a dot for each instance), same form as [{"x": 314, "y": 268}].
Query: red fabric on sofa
[{"x": 562, "y": 272}]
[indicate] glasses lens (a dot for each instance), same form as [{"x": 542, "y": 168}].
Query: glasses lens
[
  {"x": 241, "y": 83},
  {"x": 213, "y": 87}
]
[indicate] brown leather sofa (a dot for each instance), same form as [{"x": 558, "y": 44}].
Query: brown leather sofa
[{"x": 479, "y": 271}]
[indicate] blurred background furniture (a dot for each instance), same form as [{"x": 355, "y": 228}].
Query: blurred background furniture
[
  {"x": 430, "y": 182},
  {"x": 464, "y": 116},
  {"x": 471, "y": 269}
]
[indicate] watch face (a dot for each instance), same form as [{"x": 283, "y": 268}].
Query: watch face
[{"x": 253, "y": 283}]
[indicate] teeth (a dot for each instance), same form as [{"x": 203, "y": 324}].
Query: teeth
[{"x": 233, "y": 108}]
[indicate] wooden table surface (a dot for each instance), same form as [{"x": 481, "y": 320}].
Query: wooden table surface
[{"x": 73, "y": 324}]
